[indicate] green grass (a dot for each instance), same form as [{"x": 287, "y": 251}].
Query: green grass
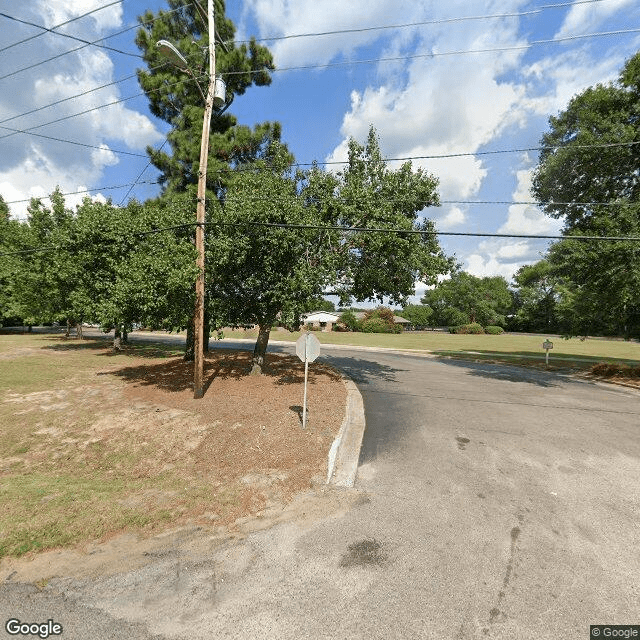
[{"x": 517, "y": 346}]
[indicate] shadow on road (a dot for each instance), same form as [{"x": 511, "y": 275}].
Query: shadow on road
[{"x": 505, "y": 372}]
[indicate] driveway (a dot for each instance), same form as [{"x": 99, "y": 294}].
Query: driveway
[{"x": 491, "y": 502}]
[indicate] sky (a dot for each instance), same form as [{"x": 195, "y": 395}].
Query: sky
[{"x": 462, "y": 78}]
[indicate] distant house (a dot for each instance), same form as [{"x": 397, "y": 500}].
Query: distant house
[{"x": 321, "y": 319}]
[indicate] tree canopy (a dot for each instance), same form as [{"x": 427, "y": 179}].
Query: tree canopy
[
  {"x": 465, "y": 298},
  {"x": 591, "y": 160}
]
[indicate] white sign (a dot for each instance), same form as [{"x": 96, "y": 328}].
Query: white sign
[
  {"x": 307, "y": 347},
  {"x": 547, "y": 344}
]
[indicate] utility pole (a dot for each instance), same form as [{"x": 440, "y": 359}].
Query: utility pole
[{"x": 198, "y": 318}]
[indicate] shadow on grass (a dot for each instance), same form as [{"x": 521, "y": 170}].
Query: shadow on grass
[
  {"x": 104, "y": 347},
  {"x": 176, "y": 375}
]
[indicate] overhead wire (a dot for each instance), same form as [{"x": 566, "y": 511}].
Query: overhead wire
[
  {"x": 92, "y": 43},
  {"x": 515, "y": 14},
  {"x": 53, "y": 29},
  {"x": 437, "y": 54},
  {"x": 65, "y": 35},
  {"x": 85, "y": 111},
  {"x": 345, "y": 229}
]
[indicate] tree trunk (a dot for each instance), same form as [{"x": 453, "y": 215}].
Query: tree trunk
[
  {"x": 125, "y": 336},
  {"x": 260, "y": 349},
  {"x": 116, "y": 338},
  {"x": 68, "y": 332},
  {"x": 79, "y": 330},
  {"x": 189, "y": 351},
  {"x": 206, "y": 333}
]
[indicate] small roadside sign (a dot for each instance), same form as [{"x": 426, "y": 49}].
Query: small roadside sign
[
  {"x": 546, "y": 345},
  {"x": 307, "y": 349}
]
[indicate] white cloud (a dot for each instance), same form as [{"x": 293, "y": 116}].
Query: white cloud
[
  {"x": 526, "y": 218},
  {"x": 453, "y": 218},
  {"x": 290, "y": 17},
  {"x": 481, "y": 267},
  {"x": 587, "y": 17},
  {"x": 33, "y": 166},
  {"x": 444, "y": 105},
  {"x": 55, "y": 12}
]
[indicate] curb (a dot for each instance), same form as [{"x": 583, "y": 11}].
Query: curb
[{"x": 345, "y": 450}]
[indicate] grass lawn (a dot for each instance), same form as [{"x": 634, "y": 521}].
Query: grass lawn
[{"x": 526, "y": 349}]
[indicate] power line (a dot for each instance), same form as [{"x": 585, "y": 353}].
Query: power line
[
  {"x": 92, "y": 43},
  {"x": 66, "y": 53},
  {"x": 81, "y": 113},
  {"x": 434, "y": 232},
  {"x": 444, "y": 53},
  {"x": 419, "y": 24},
  {"x": 79, "y": 144},
  {"x": 345, "y": 229},
  {"x": 75, "y": 193},
  {"x": 137, "y": 180},
  {"x": 64, "y": 35},
  {"x": 52, "y": 29}
]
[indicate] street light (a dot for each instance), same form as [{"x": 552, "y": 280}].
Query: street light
[
  {"x": 172, "y": 54},
  {"x": 168, "y": 50}
]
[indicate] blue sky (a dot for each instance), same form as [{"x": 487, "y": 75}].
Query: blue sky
[{"x": 435, "y": 99}]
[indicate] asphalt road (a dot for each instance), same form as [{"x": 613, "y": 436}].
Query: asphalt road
[{"x": 491, "y": 502}]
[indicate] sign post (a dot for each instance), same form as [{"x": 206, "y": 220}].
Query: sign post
[
  {"x": 546, "y": 345},
  {"x": 307, "y": 349}
]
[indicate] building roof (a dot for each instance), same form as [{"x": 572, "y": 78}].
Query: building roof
[{"x": 321, "y": 316}]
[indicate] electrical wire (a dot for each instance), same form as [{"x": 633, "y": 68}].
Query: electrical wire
[
  {"x": 137, "y": 180},
  {"x": 78, "y": 95},
  {"x": 438, "y": 54},
  {"x": 81, "y": 113},
  {"x": 346, "y": 229},
  {"x": 80, "y": 144},
  {"x": 418, "y": 24},
  {"x": 65, "y": 35},
  {"x": 94, "y": 43},
  {"x": 52, "y": 29}
]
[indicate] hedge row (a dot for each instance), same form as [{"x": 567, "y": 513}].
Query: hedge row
[{"x": 476, "y": 328}]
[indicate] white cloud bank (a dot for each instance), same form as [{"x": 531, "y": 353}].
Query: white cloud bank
[{"x": 33, "y": 166}]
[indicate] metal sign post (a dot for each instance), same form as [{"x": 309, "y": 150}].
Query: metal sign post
[
  {"x": 546, "y": 345},
  {"x": 307, "y": 349}
]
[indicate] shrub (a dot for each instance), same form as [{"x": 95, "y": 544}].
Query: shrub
[
  {"x": 474, "y": 327},
  {"x": 349, "y": 320},
  {"x": 376, "y": 325},
  {"x": 493, "y": 330}
]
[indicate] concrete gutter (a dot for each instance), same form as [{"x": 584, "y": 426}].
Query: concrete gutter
[{"x": 345, "y": 450}]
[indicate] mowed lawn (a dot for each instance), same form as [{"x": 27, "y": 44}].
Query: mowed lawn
[{"x": 510, "y": 346}]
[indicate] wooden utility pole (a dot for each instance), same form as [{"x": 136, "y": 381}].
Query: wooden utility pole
[{"x": 198, "y": 318}]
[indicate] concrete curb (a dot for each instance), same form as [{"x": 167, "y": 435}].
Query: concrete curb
[{"x": 345, "y": 450}]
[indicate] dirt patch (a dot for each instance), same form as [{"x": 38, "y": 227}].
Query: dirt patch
[{"x": 122, "y": 446}]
